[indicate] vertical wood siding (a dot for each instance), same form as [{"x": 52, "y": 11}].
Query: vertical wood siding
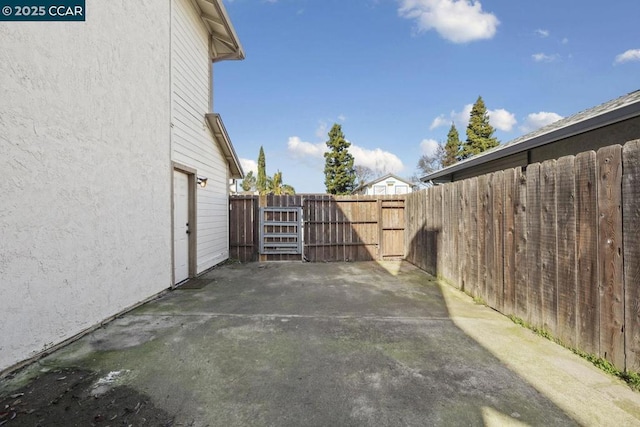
[{"x": 192, "y": 142}]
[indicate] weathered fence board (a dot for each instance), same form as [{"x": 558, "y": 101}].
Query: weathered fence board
[
  {"x": 425, "y": 231},
  {"x": 482, "y": 196},
  {"x": 497, "y": 277},
  {"x": 243, "y": 228},
  {"x": 431, "y": 234},
  {"x": 444, "y": 250},
  {"x": 588, "y": 309},
  {"x": 566, "y": 202},
  {"x": 609, "y": 160},
  {"x": 465, "y": 237},
  {"x": 534, "y": 250},
  {"x": 417, "y": 240},
  {"x": 472, "y": 236},
  {"x": 548, "y": 245},
  {"x": 509, "y": 300},
  {"x": 631, "y": 244},
  {"x": 436, "y": 226},
  {"x": 460, "y": 233},
  {"x": 520, "y": 229},
  {"x": 489, "y": 292}
]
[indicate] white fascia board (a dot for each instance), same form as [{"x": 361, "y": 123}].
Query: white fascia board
[
  {"x": 224, "y": 40},
  {"x": 222, "y": 138}
]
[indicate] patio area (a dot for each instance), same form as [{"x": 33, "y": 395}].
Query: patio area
[{"x": 311, "y": 344}]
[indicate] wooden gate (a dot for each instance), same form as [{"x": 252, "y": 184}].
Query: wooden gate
[
  {"x": 335, "y": 228},
  {"x": 391, "y": 228}
]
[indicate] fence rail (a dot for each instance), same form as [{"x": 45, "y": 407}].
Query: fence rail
[{"x": 557, "y": 244}]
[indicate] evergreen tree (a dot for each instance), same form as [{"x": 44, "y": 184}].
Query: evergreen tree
[
  {"x": 261, "y": 181},
  {"x": 452, "y": 147},
  {"x": 479, "y": 132},
  {"x": 339, "y": 174},
  {"x": 277, "y": 187}
]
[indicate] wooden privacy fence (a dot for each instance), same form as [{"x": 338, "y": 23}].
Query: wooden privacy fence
[
  {"x": 335, "y": 228},
  {"x": 557, "y": 244}
]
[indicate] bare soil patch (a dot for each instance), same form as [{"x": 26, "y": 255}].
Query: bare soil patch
[{"x": 69, "y": 397}]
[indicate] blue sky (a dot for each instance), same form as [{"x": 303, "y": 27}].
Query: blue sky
[{"x": 395, "y": 73}]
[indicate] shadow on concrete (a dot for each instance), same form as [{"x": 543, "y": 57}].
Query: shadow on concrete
[{"x": 305, "y": 344}]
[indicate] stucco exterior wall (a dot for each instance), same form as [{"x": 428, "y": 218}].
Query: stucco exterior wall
[
  {"x": 193, "y": 143},
  {"x": 85, "y": 176}
]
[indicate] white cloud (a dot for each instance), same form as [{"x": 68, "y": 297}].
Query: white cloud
[
  {"x": 542, "y": 33},
  {"x": 300, "y": 148},
  {"x": 543, "y": 57},
  {"x": 323, "y": 126},
  {"x": 441, "y": 120},
  {"x": 537, "y": 120},
  {"x": 249, "y": 165},
  {"x": 322, "y": 130},
  {"x": 502, "y": 119},
  {"x": 628, "y": 56},
  {"x": 565, "y": 40},
  {"x": 461, "y": 119},
  {"x": 429, "y": 147},
  {"x": 459, "y": 21},
  {"x": 378, "y": 160}
]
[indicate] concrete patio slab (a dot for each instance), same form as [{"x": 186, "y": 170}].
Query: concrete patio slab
[{"x": 344, "y": 344}]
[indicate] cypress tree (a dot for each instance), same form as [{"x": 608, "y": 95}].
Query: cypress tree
[
  {"x": 479, "y": 132},
  {"x": 452, "y": 147},
  {"x": 261, "y": 181},
  {"x": 339, "y": 174}
]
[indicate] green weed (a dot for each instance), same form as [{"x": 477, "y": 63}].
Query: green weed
[{"x": 631, "y": 378}]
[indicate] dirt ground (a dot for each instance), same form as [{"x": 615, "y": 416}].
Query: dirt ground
[{"x": 72, "y": 397}]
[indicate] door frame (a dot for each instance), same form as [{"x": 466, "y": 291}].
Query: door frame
[{"x": 193, "y": 226}]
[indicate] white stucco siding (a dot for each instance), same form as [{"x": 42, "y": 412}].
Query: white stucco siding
[
  {"x": 84, "y": 172},
  {"x": 193, "y": 144}
]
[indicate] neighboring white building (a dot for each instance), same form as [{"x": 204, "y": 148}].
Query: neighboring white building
[
  {"x": 387, "y": 185},
  {"x": 106, "y": 131}
]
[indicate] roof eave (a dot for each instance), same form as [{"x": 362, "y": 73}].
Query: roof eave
[
  {"x": 608, "y": 118},
  {"x": 225, "y": 44},
  {"x": 222, "y": 138}
]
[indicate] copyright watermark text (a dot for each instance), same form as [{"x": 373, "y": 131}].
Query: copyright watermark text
[{"x": 42, "y": 10}]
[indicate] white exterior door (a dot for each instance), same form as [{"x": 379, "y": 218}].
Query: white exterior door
[{"x": 180, "y": 226}]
